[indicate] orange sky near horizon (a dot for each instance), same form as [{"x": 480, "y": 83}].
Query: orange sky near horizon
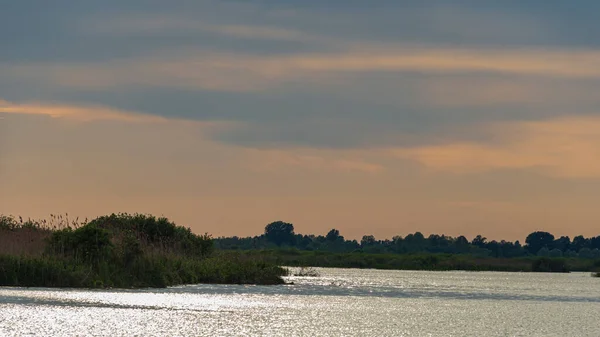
[
  {"x": 87, "y": 169},
  {"x": 457, "y": 118}
]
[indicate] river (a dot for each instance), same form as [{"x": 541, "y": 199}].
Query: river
[{"x": 340, "y": 302}]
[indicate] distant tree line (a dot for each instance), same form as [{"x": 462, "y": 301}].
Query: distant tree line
[{"x": 281, "y": 234}]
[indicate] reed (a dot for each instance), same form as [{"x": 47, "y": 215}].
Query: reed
[
  {"x": 421, "y": 261},
  {"x": 119, "y": 250}
]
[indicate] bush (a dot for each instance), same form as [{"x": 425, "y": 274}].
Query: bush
[
  {"x": 159, "y": 233},
  {"x": 129, "y": 251},
  {"x": 88, "y": 244},
  {"x": 545, "y": 264}
]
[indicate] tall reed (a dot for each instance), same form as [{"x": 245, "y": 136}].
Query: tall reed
[{"x": 119, "y": 250}]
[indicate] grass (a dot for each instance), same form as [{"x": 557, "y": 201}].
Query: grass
[
  {"x": 306, "y": 272},
  {"x": 423, "y": 261},
  {"x": 120, "y": 250}
]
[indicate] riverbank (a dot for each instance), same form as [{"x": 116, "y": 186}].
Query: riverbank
[
  {"x": 120, "y": 251},
  {"x": 433, "y": 262}
]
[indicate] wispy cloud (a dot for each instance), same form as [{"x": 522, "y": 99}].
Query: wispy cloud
[
  {"x": 152, "y": 25},
  {"x": 523, "y": 92},
  {"x": 209, "y": 70},
  {"x": 559, "y": 63},
  {"x": 563, "y": 147},
  {"x": 81, "y": 113}
]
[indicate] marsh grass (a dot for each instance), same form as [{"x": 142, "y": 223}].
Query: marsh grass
[
  {"x": 119, "y": 250},
  {"x": 421, "y": 261},
  {"x": 306, "y": 272}
]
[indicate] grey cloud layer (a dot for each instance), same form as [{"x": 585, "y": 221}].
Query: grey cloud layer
[{"x": 341, "y": 75}]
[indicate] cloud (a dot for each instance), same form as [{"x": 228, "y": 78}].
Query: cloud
[
  {"x": 263, "y": 32},
  {"x": 567, "y": 147},
  {"x": 519, "y": 92},
  {"x": 77, "y": 113},
  {"x": 559, "y": 63},
  {"x": 176, "y": 25},
  {"x": 226, "y": 71}
]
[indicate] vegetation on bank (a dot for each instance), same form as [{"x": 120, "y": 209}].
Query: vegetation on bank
[
  {"x": 119, "y": 250},
  {"x": 425, "y": 261},
  {"x": 280, "y": 234},
  {"x": 542, "y": 252}
]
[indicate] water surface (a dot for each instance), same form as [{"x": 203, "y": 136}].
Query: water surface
[{"x": 341, "y": 302}]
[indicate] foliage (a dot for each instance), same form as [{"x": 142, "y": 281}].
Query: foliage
[
  {"x": 148, "y": 271},
  {"x": 333, "y": 235},
  {"x": 538, "y": 240},
  {"x": 157, "y": 232},
  {"x": 127, "y": 251},
  {"x": 419, "y": 261},
  {"x": 281, "y": 234},
  {"x": 546, "y": 265},
  {"x": 11, "y": 223},
  {"x": 88, "y": 244}
]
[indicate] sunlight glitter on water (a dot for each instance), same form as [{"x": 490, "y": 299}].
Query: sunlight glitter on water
[{"x": 340, "y": 302}]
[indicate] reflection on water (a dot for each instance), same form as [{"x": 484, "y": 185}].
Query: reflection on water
[{"x": 339, "y": 302}]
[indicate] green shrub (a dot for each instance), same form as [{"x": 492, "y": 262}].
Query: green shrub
[
  {"x": 88, "y": 243},
  {"x": 129, "y": 251},
  {"x": 546, "y": 264}
]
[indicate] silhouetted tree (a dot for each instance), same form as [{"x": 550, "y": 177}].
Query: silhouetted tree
[
  {"x": 280, "y": 232},
  {"x": 367, "y": 240},
  {"x": 563, "y": 243},
  {"x": 461, "y": 244},
  {"x": 494, "y": 248},
  {"x": 333, "y": 235},
  {"x": 595, "y": 242},
  {"x": 555, "y": 253},
  {"x": 538, "y": 240},
  {"x": 579, "y": 242},
  {"x": 544, "y": 252},
  {"x": 586, "y": 253},
  {"x": 479, "y": 241}
]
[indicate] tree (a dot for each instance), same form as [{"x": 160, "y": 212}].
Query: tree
[
  {"x": 538, "y": 240},
  {"x": 280, "y": 232},
  {"x": 418, "y": 237},
  {"x": 543, "y": 252},
  {"x": 461, "y": 241},
  {"x": 579, "y": 242},
  {"x": 479, "y": 241},
  {"x": 367, "y": 240},
  {"x": 494, "y": 248},
  {"x": 555, "y": 253},
  {"x": 414, "y": 242},
  {"x": 586, "y": 253},
  {"x": 570, "y": 253},
  {"x": 461, "y": 244},
  {"x": 563, "y": 243},
  {"x": 333, "y": 235},
  {"x": 595, "y": 242}
]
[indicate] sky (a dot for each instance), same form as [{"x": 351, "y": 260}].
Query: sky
[{"x": 372, "y": 117}]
